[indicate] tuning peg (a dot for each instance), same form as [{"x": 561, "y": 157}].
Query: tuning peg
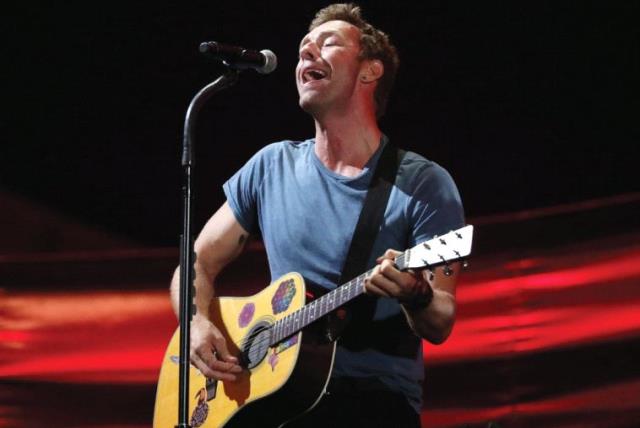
[
  {"x": 443, "y": 242},
  {"x": 465, "y": 263},
  {"x": 447, "y": 270}
]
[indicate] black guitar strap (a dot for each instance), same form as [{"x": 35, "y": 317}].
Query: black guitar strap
[{"x": 369, "y": 223}]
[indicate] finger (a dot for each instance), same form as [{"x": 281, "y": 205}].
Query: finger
[
  {"x": 375, "y": 290},
  {"x": 405, "y": 280},
  {"x": 390, "y": 254},
  {"x": 206, "y": 355},
  {"x": 382, "y": 286},
  {"x": 222, "y": 352},
  {"x": 225, "y": 366},
  {"x": 210, "y": 372},
  {"x": 210, "y": 358}
]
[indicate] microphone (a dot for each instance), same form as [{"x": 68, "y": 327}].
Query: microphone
[{"x": 264, "y": 62}]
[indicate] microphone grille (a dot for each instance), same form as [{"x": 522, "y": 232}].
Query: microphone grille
[{"x": 270, "y": 62}]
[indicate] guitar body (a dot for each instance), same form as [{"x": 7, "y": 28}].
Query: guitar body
[
  {"x": 285, "y": 344},
  {"x": 279, "y": 382}
]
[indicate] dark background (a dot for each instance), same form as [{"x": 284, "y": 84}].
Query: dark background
[{"x": 527, "y": 104}]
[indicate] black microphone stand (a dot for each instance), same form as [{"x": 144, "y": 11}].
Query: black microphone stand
[{"x": 187, "y": 255}]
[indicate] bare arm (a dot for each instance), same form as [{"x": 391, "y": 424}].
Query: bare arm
[
  {"x": 435, "y": 318},
  {"x": 221, "y": 240}
]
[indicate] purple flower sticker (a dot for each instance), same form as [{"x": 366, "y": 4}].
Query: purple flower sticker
[{"x": 246, "y": 315}]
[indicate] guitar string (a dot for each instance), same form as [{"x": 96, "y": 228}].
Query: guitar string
[
  {"x": 260, "y": 343},
  {"x": 288, "y": 333},
  {"x": 399, "y": 261}
]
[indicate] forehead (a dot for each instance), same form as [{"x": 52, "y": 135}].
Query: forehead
[{"x": 342, "y": 28}]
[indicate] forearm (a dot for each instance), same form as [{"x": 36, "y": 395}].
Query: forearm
[
  {"x": 204, "y": 291},
  {"x": 435, "y": 321},
  {"x": 220, "y": 241}
]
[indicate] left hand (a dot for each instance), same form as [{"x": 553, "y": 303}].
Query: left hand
[{"x": 387, "y": 281}]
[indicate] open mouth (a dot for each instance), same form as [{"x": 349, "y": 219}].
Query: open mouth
[{"x": 313, "y": 74}]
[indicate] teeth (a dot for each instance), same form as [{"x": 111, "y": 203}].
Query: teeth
[{"x": 314, "y": 75}]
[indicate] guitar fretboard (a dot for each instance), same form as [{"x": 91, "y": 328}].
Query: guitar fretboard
[{"x": 321, "y": 306}]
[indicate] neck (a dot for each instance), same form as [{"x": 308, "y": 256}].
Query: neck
[{"x": 345, "y": 141}]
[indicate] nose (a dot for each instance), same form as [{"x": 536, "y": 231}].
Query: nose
[{"x": 309, "y": 51}]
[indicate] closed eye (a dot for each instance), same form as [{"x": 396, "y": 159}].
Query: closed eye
[{"x": 331, "y": 42}]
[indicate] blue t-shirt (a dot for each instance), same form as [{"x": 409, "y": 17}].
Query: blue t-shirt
[{"x": 307, "y": 215}]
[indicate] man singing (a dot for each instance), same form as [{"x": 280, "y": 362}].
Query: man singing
[{"x": 305, "y": 197}]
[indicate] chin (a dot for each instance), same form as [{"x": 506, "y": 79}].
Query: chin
[{"x": 307, "y": 105}]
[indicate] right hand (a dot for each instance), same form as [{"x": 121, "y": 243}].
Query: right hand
[{"x": 209, "y": 351}]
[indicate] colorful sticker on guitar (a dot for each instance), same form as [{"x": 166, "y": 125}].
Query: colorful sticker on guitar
[
  {"x": 287, "y": 344},
  {"x": 200, "y": 413},
  {"x": 273, "y": 359},
  {"x": 283, "y": 296},
  {"x": 176, "y": 360},
  {"x": 246, "y": 315}
]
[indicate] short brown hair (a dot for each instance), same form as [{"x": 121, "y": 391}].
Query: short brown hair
[{"x": 374, "y": 44}]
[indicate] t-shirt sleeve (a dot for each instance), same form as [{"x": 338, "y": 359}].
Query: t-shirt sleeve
[
  {"x": 436, "y": 206},
  {"x": 243, "y": 188}
]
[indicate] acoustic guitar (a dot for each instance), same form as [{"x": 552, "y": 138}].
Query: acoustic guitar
[{"x": 285, "y": 341}]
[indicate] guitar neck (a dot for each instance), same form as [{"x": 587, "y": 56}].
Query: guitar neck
[{"x": 321, "y": 306}]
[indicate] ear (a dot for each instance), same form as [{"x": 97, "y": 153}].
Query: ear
[{"x": 371, "y": 70}]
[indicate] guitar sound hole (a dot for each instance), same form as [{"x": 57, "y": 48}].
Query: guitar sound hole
[{"x": 256, "y": 344}]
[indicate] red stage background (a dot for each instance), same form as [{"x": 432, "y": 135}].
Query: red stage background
[{"x": 548, "y": 330}]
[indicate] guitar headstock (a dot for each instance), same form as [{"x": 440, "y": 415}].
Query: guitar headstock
[{"x": 453, "y": 246}]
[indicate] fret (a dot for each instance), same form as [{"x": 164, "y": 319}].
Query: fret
[
  {"x": 359, "y": 281},
  {"x": 281, "y": 329},
  {"x": 287, "y": 326},
  {"x": 401, "y": 259},
  {"x": 425, "y": 254}
]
